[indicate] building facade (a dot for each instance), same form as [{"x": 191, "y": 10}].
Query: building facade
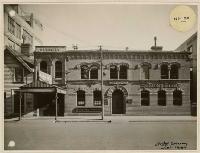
[
  {"x": 152, "y": 82},
  {"x": 190, "y": 45},
  {"x": 20, "y": 38}
]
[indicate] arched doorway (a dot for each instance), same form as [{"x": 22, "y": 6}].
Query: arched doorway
[{"x": 118, "y": 105}]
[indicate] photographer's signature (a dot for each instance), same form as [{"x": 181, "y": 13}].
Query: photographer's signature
[{"x": 171, "y": 145}]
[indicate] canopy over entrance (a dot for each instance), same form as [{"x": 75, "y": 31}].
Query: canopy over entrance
[{"x": 41, "y": 87}]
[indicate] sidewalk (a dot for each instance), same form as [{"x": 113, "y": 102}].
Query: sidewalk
[{"x": 112, "y": 118}]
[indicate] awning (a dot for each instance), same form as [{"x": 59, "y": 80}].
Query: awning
[{"x": 41, "y": 87}]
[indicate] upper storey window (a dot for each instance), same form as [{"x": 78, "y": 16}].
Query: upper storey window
[
  {"x": 14, "y": 28},
  {"x": 11, "y": 25},
  {"x": 84, "y": 72},
  {"x": 58, "y": 69},
  {"x": 164, "y": 71},
  {"x": 169, "y": 72},
  {"x": 94, "y": 73},
  {"x": 174, "y": 71},
  {"x": 123, "y": 72},
  {"x": 113, "y": 72},
  {"x": 43, "y": 66},
  {"x": 145, "y": 70}
]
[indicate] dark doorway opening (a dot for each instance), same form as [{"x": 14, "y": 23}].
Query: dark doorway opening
[
  {"x": 46, "y": 104},
  {"x": 118, "y": 104}
]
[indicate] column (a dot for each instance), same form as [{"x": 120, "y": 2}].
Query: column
[
  {"x": 64, "y": 71},
  {"x": 169, "y": 69}
]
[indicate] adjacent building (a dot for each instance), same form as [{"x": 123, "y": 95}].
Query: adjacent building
[
  {"x": 20, "y": 37},
  {"x": 190, "y": 45}
]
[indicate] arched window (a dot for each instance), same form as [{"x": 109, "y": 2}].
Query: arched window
[
  {"x": 58, "y": 69},
  {"x": 94, "y": 73},
  {"x": 84, "y": 72},
  {"x": 164, "y": 71},
  {"x": 97, "y": 98},
  {"x": 123, "y": 72},
  {"x": 113, "y": 72},
  {"x": 174, "y": 71},
  {"x": 43, "y": 66},
  {"x": 145, "y": 71},
  {"x": 161, "y": 98},
  {"x": 145, "y": 98},
  {"x": 80, "y": 98},
  {"x": 177, "y": 97}
]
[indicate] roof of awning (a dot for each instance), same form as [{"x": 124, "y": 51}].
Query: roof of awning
[{"x": 40, "y": 86}]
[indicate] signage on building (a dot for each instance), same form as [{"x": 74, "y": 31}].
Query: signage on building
[
  {"x": 87, "y": 110},
  {"x": 50, "y": 49},
  {"x": 159, "y": 85}
]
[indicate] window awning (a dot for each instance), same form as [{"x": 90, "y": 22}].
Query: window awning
[{"x": 41, "y": 87}]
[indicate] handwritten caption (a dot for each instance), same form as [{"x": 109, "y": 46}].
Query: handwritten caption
[{"x": 165, "y": 145}]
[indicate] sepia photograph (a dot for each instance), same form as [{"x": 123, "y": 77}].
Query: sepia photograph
[{"x": 100, "y": 76}]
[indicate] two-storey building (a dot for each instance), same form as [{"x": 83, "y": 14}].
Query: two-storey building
[{"x": 145, "y": 82}]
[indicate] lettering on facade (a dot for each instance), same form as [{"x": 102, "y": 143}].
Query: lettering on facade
[
  {"x": 160, "y": 85},
  {"x": 50, "y": 49},
  {"x": 87, "y": 110}
]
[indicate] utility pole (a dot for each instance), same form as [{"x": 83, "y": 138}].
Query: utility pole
[{"x": 102, "y": 97}]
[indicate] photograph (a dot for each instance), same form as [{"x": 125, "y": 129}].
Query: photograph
[{"x": 100, "y": 76}]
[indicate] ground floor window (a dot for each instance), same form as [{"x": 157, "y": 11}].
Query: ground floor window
[
  {"x": 97, "y": 98},
  {"x": 145, "y": 98},
  {"x": 80, "y": 98},
  {"x": 162, "y": 98},
  {"x": 177, "y": 97}
]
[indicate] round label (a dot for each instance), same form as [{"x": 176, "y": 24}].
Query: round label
[{"x": 182, "y": 18}]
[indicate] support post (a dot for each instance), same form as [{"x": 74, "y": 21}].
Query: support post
[
  {"x": 56, "y": 101},
  {"x": 20, "y": 106},
  {"x": 102, "y": 98}
]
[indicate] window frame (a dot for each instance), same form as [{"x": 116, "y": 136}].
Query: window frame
[
  {"x": 176, "y": 70},
  {"x": 94, "y": 68},
  {"x": 43, "y": 65},
  {"x": 97, "y": 101},
  {"x": 161, "y": 72},
  {"x": 114, "y": 73},
  {"x": 84, "y": 71},
  {"x": 80, "y": 99},
  {"x": 177, "y": 101},
  {"x": 125, "y": 73},
  {"x": 145, "y": 101},
  {"x": 15, "y": 75},
  {"x": 163, "y": 99},
  {"x": 58, "y": 71}
]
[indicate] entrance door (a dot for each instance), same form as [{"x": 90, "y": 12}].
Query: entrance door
[{"x": 118, "y": 102}]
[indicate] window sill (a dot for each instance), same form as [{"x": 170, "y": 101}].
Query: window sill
[{"x": 21, "y": 82}]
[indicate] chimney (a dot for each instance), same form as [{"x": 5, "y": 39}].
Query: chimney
[
  {"x": 26, "y": 49},
  {"x": 155, "y": 47}
]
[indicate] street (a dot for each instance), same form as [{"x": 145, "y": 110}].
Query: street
[{"x": 44, "y": 134}]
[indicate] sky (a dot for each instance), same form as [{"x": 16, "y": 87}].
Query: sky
[{"x": 114, "y": 26}]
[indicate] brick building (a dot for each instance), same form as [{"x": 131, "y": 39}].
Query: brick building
[{"x": 151, "y": 82}]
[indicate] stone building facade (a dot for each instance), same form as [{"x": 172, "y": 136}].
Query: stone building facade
[{"x": 151, "y": 82}]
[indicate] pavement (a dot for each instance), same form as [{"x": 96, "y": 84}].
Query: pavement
[{"x": 112, "y": 118}]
